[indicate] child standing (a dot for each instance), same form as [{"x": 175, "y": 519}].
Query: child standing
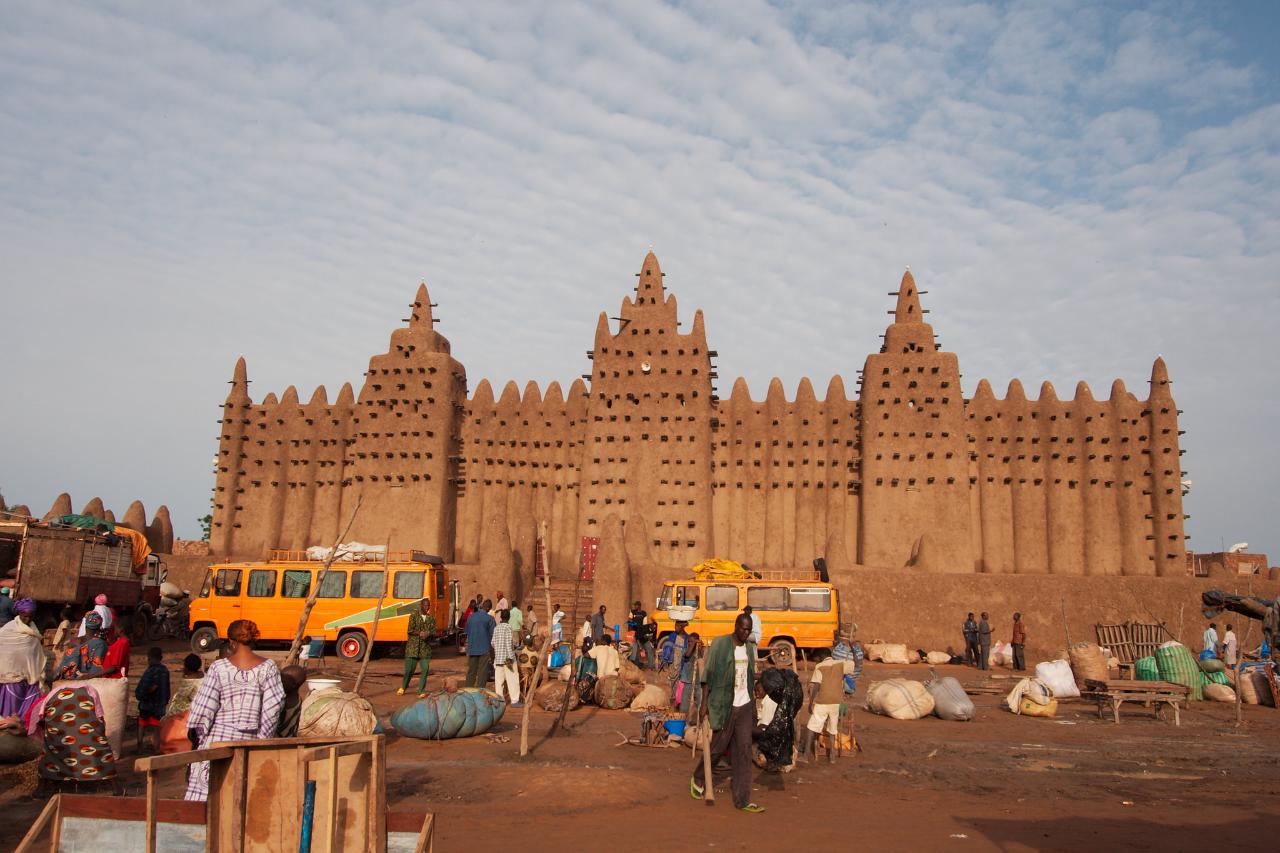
[{"x": 152, "y": 693}]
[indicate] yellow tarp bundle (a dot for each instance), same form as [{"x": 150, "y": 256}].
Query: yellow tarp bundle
[
  {"x": 717, "y": 569},
  {"x": 141, "y": 550}
]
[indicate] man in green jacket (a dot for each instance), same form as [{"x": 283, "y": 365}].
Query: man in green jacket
[{"x": 729, "y": 687}]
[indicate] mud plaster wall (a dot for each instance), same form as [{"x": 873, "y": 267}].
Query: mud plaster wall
[
  {"x": 908, "y": 474},
  {"x": 926, "y": 611}
]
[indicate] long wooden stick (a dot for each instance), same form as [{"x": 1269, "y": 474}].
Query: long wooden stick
[
  {"x": 543, "y": 656},
  {"x": 709, "y": 786},
  {"x": 296, "y": 648},
  {"x": 377, "y": 614}
]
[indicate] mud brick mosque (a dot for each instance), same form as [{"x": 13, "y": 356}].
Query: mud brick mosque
[{"x": 904, "y": 474}]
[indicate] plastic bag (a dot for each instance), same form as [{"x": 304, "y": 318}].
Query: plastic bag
[
  {"x": 1058, "y": 677},
  {"x": 950, "y": 702}
]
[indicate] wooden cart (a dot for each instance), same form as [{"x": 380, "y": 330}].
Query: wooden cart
[{"x": 1154, "y": 695}]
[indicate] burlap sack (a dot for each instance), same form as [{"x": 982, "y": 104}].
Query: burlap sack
[
  {"x": 1088, "y": 662},
  {"x": 631, "y": 673},
  {"x": 550, "y": 697},
  {"x": 651, "y": 698},
  {"x": 335, "y": 713},
  {"x": 1219, "y": 693}
]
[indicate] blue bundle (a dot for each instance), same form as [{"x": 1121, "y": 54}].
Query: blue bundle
[{"x": 442, "y": 715}]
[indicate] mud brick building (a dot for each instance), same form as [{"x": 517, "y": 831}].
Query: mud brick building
[{"x": 643, "y": 455}]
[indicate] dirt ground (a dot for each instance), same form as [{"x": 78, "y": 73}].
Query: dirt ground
[{"x": 1000, "y": 782}]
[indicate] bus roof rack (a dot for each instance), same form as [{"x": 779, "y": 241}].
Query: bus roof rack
[{"x": 282, "y": 555}]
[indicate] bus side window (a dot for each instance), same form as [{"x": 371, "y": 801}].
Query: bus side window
[
  {"x": 262, "y": 583},
  {"x": 366, "y": 584},
  {"x": 814, "y": 600},
  {"x": 297, "y": 583},
  {"x": 687, "y": 595},
  {"x": 767, "y": 597},
  {"x": 228, "y": 582},
  {"x": 334, "y": 586},
  {"x": 722, "y": 597},
  {"x": 440, "y": 584},
  {"x": 408, "y": 585}
]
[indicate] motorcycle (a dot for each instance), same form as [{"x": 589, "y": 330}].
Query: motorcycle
[{"x": 172, "y": 619}]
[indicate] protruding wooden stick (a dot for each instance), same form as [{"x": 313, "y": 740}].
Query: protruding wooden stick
[
  {"x": 377, "y": 614},
  {"x": 315, "y": 590}
]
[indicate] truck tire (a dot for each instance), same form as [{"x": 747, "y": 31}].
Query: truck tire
[
  {"x": 351, "y": 645},
  {"x": 782, "y": 653},
  {"x": 204, "y": 640}
]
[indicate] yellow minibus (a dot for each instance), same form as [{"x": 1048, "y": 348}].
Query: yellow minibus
[{"x": 272, "y": 594}]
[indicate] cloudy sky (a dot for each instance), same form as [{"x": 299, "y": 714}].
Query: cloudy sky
[{"x": 1078, "y": 187}]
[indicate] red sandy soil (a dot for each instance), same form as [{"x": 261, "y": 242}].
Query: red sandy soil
[{"x": 1000, "y": 782}]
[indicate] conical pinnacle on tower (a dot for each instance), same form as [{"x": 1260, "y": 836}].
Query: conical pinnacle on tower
[
  {"x": 908, "y": 307},
  {"x": 650, "y": 290},
  {"x": 239, "y": 382},
  {"x": 1160, "y": 379},
  {"x": 421, "y": 314}
]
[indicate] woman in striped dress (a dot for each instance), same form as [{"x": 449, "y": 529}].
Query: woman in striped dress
[{"x": 239, "y": 699}]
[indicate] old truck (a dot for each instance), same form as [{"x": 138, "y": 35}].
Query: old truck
[{"x": 60, "y": 566}]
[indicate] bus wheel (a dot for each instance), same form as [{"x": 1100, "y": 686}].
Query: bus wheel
[
  {"x": 351, "y": 645},
  {"x": 204, "y": 640},
  {"x": 782, "y": 653}
]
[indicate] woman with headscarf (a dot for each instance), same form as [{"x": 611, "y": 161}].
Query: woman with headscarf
[
  {"x": 239, "y": 699},
  {"x": 75, "y": 738},
  {"x": 92, "y": 651},
  {"x": 100, "y": 607},
  {"x": 22, "y": 661},
  {"x": 775, "y": 739}
]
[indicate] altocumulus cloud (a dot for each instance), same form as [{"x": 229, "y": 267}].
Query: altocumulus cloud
[{"x": 1079, "y": 188}]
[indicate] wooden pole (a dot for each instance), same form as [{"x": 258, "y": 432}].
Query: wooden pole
[
  {"x": 564, "y": 706},
  {"x": 708, "y": 782},
  {"x": 377, "y": 614},
  {"x": 1240, "y": 647},
  {"x": 296, "y": 648},
  {"x": 546, "y": 648},
  {"x": 1066, "y": 629}
]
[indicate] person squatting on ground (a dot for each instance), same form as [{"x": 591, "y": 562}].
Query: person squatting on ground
[
  {"x": 480, "y": 627},
  {"x": 504, "y": 660},
  {"x": 417, "y": 649},
  {"x": 239, "y": 699},
  {"x": 730, "y": 710},
  {"x": 1019, "y": 643}
]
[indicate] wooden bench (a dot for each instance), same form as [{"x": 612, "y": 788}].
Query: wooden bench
[{"x": 1152, "y": 694}]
